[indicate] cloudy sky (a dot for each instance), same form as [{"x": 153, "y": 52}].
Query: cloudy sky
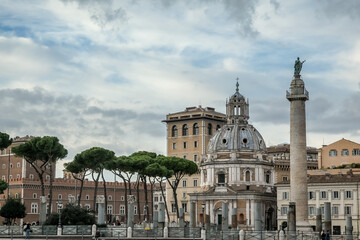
[{"x": 105, "y": 73}]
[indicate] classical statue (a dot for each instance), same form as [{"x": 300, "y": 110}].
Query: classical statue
[{"x": 298, "y": 66}]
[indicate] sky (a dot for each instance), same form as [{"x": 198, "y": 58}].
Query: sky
[{"x": 106, "y": 73}]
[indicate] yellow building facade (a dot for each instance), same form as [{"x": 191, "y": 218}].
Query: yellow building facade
[{"x": 188, "y": 133}]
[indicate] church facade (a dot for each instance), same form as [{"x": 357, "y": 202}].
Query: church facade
[{"x": 235, "y": 170}]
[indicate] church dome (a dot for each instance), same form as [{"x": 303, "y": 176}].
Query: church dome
[
  {"x": 235, "y": 137},
  {"x": 237, "y": 134}
]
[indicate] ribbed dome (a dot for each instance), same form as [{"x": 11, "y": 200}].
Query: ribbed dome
[{"x": 235, "y": 137}]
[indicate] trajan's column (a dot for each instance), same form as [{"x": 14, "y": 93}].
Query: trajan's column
[{"x": 298, "y": 156}]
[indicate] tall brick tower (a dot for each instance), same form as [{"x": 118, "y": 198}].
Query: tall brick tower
[{"x": 298, "y": 156}]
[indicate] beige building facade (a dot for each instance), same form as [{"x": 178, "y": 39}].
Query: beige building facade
[
  {"x": 340, "y": 187},
  {"x": 188, "y": 133},
  {"x": 339, "y": 153}
]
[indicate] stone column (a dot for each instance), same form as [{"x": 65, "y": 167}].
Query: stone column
[
  {"x": 130, "y": 219},
  {"x": 327, "y": 217},
  {"x": 318, "y": 220},
  {"x": 258, "y": 223},
  {"x": 192, "y": 214},
  {"x": 181, "y": 218},
  {"x": 247, "y": 211},
  {"x": 225, "y": 219},
  {"x": 42, "y": 218},
  {"x": 298, "y": 155},
  {"x": 252, "y": 219},
  {"x": 207, "y": 216},
  {"x": 234, "y": 218},
  {"x": 161, "y": 215},
  {"x": 349, "y": 228},
  {"x": 155, "y": 218},
  {"x": 291, "y": 219},
  {"x": 100, "y": 200}
]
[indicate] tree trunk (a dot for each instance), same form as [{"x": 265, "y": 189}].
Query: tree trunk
[
  {"x": 95, "y": 189},
  {"x": 152, "y": 196},
  {"x": 138, "y": 198},
  {"x": 50, "y": 187},
  {"x": 105, "y": 194},
  {"x": 126, "y": 198},
  {"x": 81, "y": 189},
  {"x": 175, "y": 197}
]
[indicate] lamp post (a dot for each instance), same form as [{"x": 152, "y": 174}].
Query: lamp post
[
  {"x": 59, "y": 209},
  {"x": 203, "y": 211}
]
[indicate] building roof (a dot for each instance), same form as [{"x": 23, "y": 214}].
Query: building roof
[
  {"x": 285, "y": 148},
  {"x": 195, "y": 113},
  {"x": 339, "y": 141}
]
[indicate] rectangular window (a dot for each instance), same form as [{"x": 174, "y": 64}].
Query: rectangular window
[
  {"x": 285, "y": 195},
  {"x": 195, "y": 158},
  {"x": 174, "y": 146},
  {"x": 156, "y": 199},
  {"x": 195, "y": 182},
  {"x": 109, "y": 209},
  {"x": 333, "y": 153},
  {"x": 344, "y": 152},
  {"x": 184, "y": 206},
  {"x": 311, "y": 210},
  {"x": 348, "y": 194},
  {"x": 122, "y": 209},
  {"x": 323, "y": 195},
  {"x": 184, "y": 194},
  {"x": 335, "y": 194},
  {"x": 34, "y": 208},
  {"x": 195, "y": 144},
  {"x": 284, "y": 210},
  {"x": 184, "y": 183},
  {"x": 311, "y": 195},
  {"x": 347, "y": 210},
  {"x": 356, "y": 152},
  {"x": 285, "y": 179},
  {"x": 322, "y": 210},
  {"x": 185, "y": 144},
  {"x": 173, "y": 208},
  {"x": 335, "y": 210}
]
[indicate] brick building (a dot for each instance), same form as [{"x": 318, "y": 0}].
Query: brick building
[{"x": 25, "y": 185}]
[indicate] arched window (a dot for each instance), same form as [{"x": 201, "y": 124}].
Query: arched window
[
  {"x": 247, "y": 176},
  {"x": 241, "y": 218},
  {"x": 174, "y": 131},
  {"x": 209, "y": 129},
  {"x": 31, "y": 176},
  {"x": 268, "y": 177},
  {"x": 185, "y": 130},
  {"x": 196, "y": 129}
]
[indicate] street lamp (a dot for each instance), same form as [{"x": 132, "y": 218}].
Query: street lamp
[
  {"x": 59, "y": 210},
  {"x": 203, "y": 210}
]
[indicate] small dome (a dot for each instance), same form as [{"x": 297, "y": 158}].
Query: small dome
[
  {"x": 234, "y": 137},
  {"x": 237, "y": 95}
]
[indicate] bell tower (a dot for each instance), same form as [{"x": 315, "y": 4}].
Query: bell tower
[{"x": 237, "y": 108}]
